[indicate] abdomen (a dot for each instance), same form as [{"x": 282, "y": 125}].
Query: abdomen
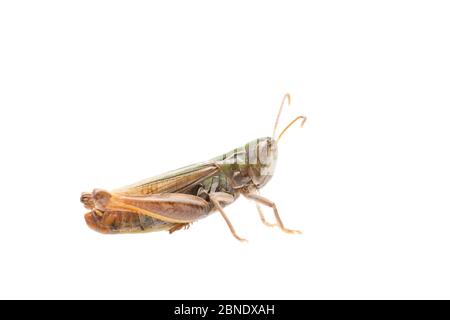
[{"x": 124, "y": 222}]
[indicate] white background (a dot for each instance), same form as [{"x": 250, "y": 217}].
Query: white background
[{"x": 98, "y": 94}]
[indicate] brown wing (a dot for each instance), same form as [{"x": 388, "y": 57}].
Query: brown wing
[{"x": 172, "y": 181}]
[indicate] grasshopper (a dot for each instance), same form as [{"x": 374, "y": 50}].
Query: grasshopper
[{"x": 174, "y": 200}]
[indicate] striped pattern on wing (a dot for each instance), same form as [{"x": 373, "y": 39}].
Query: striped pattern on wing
[{"x": 172, "y": 181}]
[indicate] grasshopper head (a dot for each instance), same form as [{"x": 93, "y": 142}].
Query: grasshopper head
[
  {"x": 263, "y": 153},
  {"x": 266, "y": 149}
]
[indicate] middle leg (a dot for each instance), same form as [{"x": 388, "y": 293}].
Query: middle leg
[{"x": 218, "y": 197}]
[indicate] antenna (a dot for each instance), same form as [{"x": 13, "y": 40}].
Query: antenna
[{"x": 287, "y": 97}]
